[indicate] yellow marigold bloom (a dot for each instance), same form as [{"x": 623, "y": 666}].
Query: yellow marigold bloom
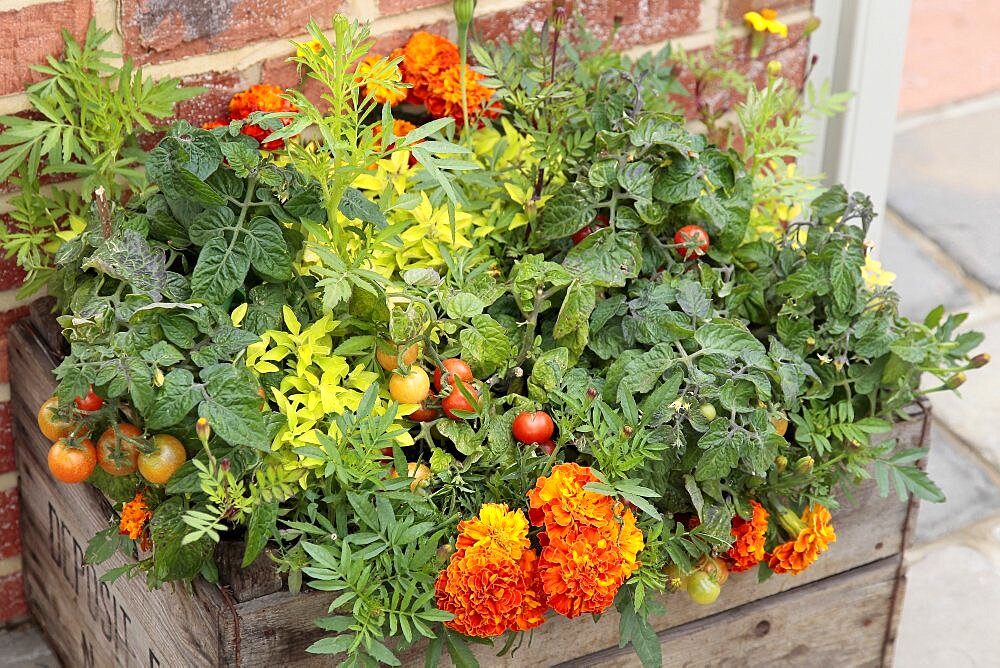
[
  {"x": 495, "y": 528},
  {"x": 135, "y": 520},
  {"x": 766, "y": 21},
  {"x": 813, "y": 537},
  {"x": 874, "y": 275}
]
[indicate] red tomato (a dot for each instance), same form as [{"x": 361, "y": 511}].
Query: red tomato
[
  {"x": 456, "y": 401},
  {"x": 89, "y": 403},
  {"x": 548, "y": 447},
  {"x": 423, "y": 414},
  {"x": 454, "y": 368},
  {"x": 584, "y": 232},
  {"x": 691, "y": 241},
  {"x": 72, "y": 462},
  {"x": 534, "y": 427},
  {"x": 116, "y": 454}
]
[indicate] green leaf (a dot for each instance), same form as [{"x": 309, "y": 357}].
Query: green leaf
[
  {"x": 173, "y": 401},
  {"x": 464, "y": 305},
  {"x": 574, "y": 315},
  {"x": 565, "y": 214},
  {"x": 104, "y": 545},
  {"x": 606, "y": 258},
  {"x": 220, "y": 271},
  {"x": 172, "y": 559},
  {"x": 729, "y": 339},
  {"x": 211, "y": 223},
  {"x": 259, "y": 530},
  {"x": 692, "y": 300},
  {"x": 485, "y": 345},
  {"x": 268, "y": 250},
  {"x": 232, "y": 407},
  {"x": 355, "y": 206},
  {"x": 845, "y": 276}
]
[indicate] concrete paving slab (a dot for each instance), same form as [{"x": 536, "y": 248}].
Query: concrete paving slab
[
  {"x": 952, "y": 602},
  {"x": 945, "y": 180},
  {"x": 975, "y": 415},
  {"x": 25, "y": 647},
  {"x": 972, "y": 494},
  {"x": 922, "y": 283}
]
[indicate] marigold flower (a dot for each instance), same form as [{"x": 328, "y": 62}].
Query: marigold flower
[
  {"x": 444, "y": 94},
  {"x": 813, "y": 535},
  {"x": 425, "y": 56},
  {"x": 491, "y": 584},
  {"x": 135, "y": 520},
  {"x": 581, "y": 574},
  {"x": 748, "y": 544},
  {"x": 560, "y": 502},
  {"x": 377, "y": 72},
  {"x": 260, "y": 97},
  {"x": 766, "y": 21},
  {"x": 496, "y": 528}
]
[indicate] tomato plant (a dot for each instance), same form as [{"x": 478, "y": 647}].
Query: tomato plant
[
  {"x": 716, "y": 568},
  {"x": 535, "y": 427},
  {"x": 454, "y": 368},
  {"x": 692, "y": 241},
  {"x": 424, "y": 414},
  {"x": 162, "y": 461},
  {"x": 90, "y": 402},
  {"x": 116, "y": 451},
  {"x": 72, "y": 460},
  {"x": 702, "y": 589},
  {"x": 411, "y": 388},
  {"x": 708, "y": 411},
  {"x": 50, "y": 423},
  {"x": 456, "y": 401},
  {"x": 584, "y": 232}
]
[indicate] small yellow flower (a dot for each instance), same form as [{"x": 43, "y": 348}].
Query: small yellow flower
[
  {"x": 874, "y": 275},
  {"x": 766, "y": 21},
  {"x": 824, "y": 358}
]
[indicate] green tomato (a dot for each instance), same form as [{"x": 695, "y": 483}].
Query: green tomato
[
  {"x": 708, "y": 410},
  {"x": 702, "y": 589}
]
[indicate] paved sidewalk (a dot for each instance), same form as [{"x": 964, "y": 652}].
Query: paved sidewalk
[{"x": 942, "y": 239}]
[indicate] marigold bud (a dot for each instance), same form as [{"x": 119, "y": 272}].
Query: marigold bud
[
  {"x": 980, "y": 360},
  {"x": 463, "y": 9},
  {"x": 158, "y": 378},
  {"x": 224, "y": 464},
  {"x": 591, "y": 393},
  {"x": 203, "y": 429},
  {"x": 774, "y": 68},
  {"x": 804, "y": 465},
  {"x": 781, "y": 463},
  {"x": 955, "y": 381},
  {"x": 627, "y": 430},
  {"x": 812, "y": 25}
]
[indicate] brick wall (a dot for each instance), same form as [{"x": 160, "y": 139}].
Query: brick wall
[{"x": 227, "y": 45}]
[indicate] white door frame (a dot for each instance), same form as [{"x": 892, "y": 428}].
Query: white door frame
[{"x": 860, "y": 47}]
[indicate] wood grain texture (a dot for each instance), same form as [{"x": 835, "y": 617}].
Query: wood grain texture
[
  {"x": 94, "y": 623},
  {"x": 839, "y": 621}
]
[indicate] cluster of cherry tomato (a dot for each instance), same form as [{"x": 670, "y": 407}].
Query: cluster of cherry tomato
[
  {"x": 691, "y": 241},
  {"x": 704, "y": 583},
  {"x": 121, "y": 449},
  {"x": 413, "y": 386}
]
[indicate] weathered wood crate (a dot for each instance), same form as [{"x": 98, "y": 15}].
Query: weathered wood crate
[{"x": 842, "y": 611}]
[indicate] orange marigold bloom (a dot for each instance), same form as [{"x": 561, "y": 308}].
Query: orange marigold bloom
[
  {"x": 814, "y": 537},
  {"x": 495, "y": 528},
  {"x": 581, "y": 574},
  {"x": 260, "y": 97},
  {"x": 492, "y": 581},
  {"x": 218, "y": 123},
  {"x": 369, "y": 67},
  {"x": 135, "y": 520},
  {"x": 560, "y": 502},
  {"x": 630, "y": 541},
  {"x": 748, "y": 544},
  {"x": 444, "y": 94},
  {"x": 425, "y": 56}
]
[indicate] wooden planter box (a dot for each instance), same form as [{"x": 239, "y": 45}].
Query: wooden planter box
[{"x": 842, "y": 611}]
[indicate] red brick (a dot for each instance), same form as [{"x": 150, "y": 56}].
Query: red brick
[
  {"x": 157, "y": 31},
  {"x": 32, "y": 33},
  {"x": 388, "y": 7},
  {"x": 6, "y": 439},
  {"x": 6, "y": 320},
  {"x": 639, "y": 22},
  {"x": 733, "y": 10},
  {"x": 10, "y": 530},
  {"x": 13, "y": 607},
  {"x": 214, "y": 103},
  {"x": 792, "y": 53}
]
